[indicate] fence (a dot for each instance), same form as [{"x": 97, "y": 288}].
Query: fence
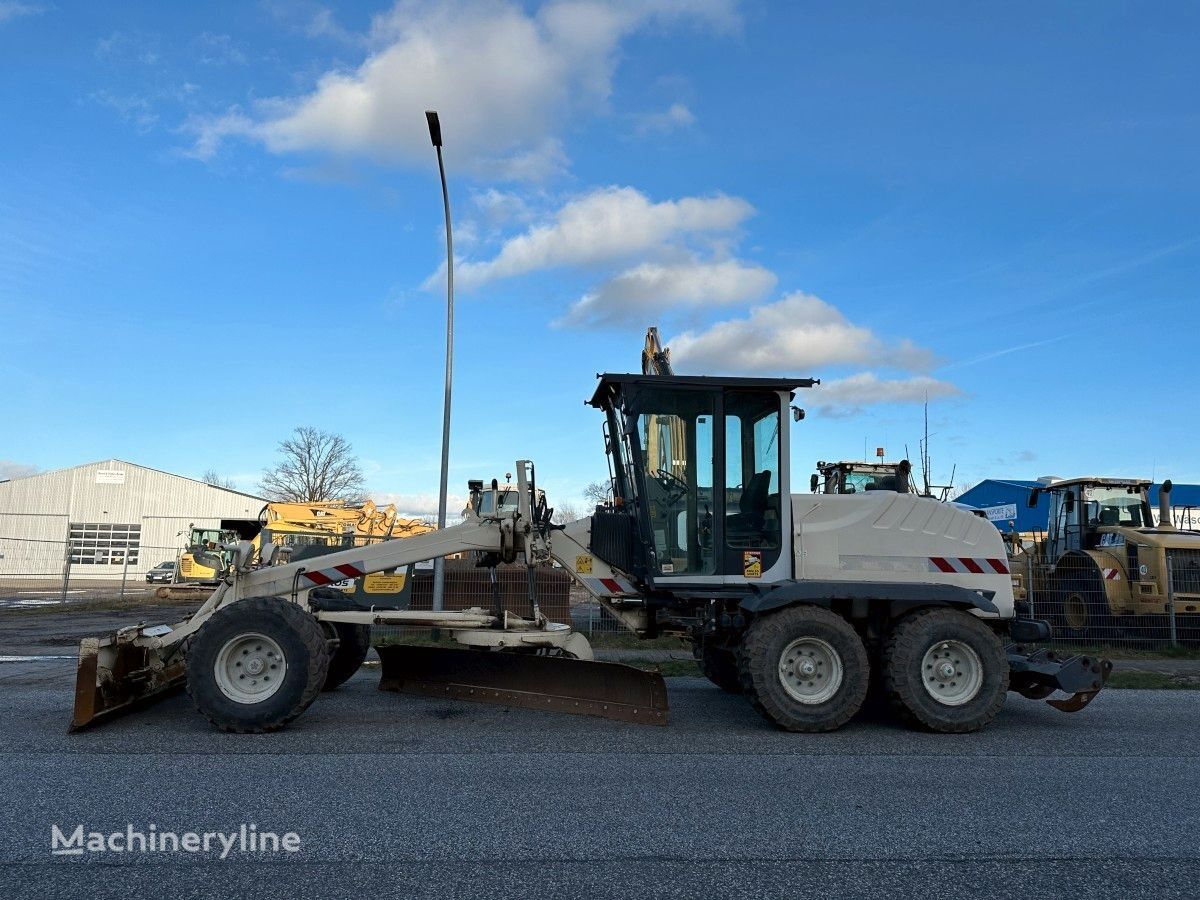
[
  {"x": 39, "y": 572},
  {"x": 42, "y": 572},
  {"x": 1135, "y": 607},
  {"x": 466, "y": 585}
]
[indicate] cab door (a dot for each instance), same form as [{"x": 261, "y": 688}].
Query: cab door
[{"x": 757, "y": 504}]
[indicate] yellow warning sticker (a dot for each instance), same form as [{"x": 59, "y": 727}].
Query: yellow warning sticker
[
  {"x": 752, "y": 563},
  {"x": 383, "y": 584},
  {"x": 583, "y": 565}
]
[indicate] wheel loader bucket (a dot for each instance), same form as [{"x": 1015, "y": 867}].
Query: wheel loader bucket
[
  {"x": 608, "y": 690},
  {"x": 117, "y": 674}
]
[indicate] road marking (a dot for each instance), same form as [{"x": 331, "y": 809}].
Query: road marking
[{"x": 14, "y": 659}]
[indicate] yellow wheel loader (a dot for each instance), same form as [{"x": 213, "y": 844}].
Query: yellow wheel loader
[
  {"x": 859, "y": 477},
  {"x": 1103, "y": 568},
  {"x": 793, "y": 598}
]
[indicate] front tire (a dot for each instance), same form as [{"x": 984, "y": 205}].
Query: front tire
[
  {"x": 945, "y": 671},
  {"x": 256, "y": 665},
  {"x": 1080, "y": 601},
  {"x": 804, "y": 669}
]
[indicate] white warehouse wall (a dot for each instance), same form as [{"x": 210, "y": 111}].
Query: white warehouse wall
[{"x": 36, "y": 512}]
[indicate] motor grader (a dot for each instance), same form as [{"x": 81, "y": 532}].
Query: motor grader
[
  {"x": 1103, "y": 568},
  {"x": 792, "y": 600}
]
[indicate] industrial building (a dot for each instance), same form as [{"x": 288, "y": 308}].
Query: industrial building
[
  {"x": 108, "y": 519},
  {"x": 1006, "y": 501}
]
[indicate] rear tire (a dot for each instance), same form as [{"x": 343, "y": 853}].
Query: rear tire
[
  {"x": 354, "y": 643},
  {"x": 804, "y": 668},
  {"x": 945, "y": 671},
  {"x": 256, "y": 665},
  {"x": 720, "y": 666}
]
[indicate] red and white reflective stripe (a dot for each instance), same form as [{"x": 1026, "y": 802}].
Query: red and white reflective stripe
[
  {"x": 337, "y": 573},
  {"x": 608, "y": 587},
  {"x": 1112, "y": 574},
  {"x": 966, "y": 565}
]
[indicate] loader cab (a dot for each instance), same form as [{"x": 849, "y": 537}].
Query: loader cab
[
  {"x": 1083, "y": 512},
  {"x": 699, "y": 469},
  {"x": 860, "y": 477}
]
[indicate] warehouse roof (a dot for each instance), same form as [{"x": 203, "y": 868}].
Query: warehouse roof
[{"x": 125, "y": 462}]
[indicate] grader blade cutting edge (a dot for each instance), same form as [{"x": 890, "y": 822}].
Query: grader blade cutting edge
[
  {"x": 559, "y": 684},
  {"x": 117, "y": 675}
]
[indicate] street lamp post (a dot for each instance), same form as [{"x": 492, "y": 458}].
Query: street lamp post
[{"x": 439, "y": 564}]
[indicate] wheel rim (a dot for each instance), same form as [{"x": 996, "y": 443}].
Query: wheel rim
[
  {"x": 952, "y": 672},
  {"x": 810, "y": 670},
  {"x": 1075, "y": 611},
  {"x": 250, "y": 668}
]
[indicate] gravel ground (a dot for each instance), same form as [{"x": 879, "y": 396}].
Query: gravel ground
[{"x": 412, "y": 796}]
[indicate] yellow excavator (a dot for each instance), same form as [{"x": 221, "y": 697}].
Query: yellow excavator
[{"x": 295, "y": 525}]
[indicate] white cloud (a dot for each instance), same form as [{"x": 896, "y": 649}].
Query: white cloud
[
  {"x": 505, "y": 82},
  {"x": 210, "y": 132},
  {"x": 219, "y": 50},
  {"x": 607, "y": 225},
  {"x": 844, "y": 396},
  {"x": 796, "y": 334},
  {"x": 12, "y": 469},
  {"x": 133, "y": 108},
  {"x": 10, "y": 9},
  {"x": 126, "y": 47},
  {"x": 420, "y": 506},
  {"x": 645, "y": 292},
  {"x": 674, "y": 117}
]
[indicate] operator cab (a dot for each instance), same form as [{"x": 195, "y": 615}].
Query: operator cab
[
  {"x": 859, "y": 477},
  {"x": 1081, "y": 509},
  {"x": 699, "y": 469}
]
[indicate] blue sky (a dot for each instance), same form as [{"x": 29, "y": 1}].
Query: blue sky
[{"x": 220, "y": 221}]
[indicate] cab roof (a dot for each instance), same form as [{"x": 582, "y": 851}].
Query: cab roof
[
  {"x": 1097, "y": 480},
  {"x": 611, "y": 383}
]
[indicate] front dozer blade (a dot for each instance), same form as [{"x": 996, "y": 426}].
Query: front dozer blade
[
  {"x": 609, "y": 690},
  {"x": 117, "y": 674}
]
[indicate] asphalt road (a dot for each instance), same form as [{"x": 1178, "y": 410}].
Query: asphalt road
[{"x": 396, "y": 795}]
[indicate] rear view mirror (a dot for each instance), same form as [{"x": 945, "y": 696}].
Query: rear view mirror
[
  {"x": 1034, "y": 496},
  {"x": 814, "y": 483}
]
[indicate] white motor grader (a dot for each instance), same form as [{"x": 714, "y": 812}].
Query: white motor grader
[{"x": 793, "y": 600}]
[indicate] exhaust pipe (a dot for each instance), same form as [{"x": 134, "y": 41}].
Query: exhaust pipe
[{"x": 1164, "y": 506}]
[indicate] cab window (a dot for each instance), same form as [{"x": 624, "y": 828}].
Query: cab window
[{"x": 675, "y": 429}]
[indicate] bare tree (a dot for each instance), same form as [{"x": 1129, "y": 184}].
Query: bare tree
[
  {"x": 210, "y": 476},
  {"x": 315, "y": 466},
  {"x": 565, "y": 512},
  {"x": 597, "y": 492}
]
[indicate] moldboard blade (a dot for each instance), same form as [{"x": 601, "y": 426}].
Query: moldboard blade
[
  {"x": 559, "y": 684},
  {"x": 115, "y": 677}
]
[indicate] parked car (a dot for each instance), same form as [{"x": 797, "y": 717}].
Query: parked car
[{"x": 164, "y": 572}]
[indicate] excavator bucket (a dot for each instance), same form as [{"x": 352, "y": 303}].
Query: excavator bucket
[
  {"x": 609, "y": 690},
  {"x": 117, "y": 674}
]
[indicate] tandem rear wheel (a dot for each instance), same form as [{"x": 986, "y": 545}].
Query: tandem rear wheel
[
  {"x": 257, "y": 664},
  {"x": 804, "y": 668},
  {"x": 945, "y": 670}
]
